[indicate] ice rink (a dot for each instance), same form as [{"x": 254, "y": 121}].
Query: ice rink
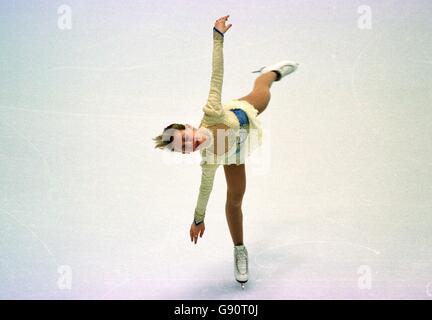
[{"x": 338, "y": 200}]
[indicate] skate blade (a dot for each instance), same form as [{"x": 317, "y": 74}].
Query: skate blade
[
  {"x": 258, "y": 71},
  {"x": 242, "y": 284}
]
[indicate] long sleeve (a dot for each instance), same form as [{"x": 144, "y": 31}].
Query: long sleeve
[
  {"x": 213, "y": 108},
  {"x": 207, "y": 180}
]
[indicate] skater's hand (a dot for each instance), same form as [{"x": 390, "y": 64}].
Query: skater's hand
[
  {"x": 196, "y": 230},
  {"x": 220, "y": 24}
]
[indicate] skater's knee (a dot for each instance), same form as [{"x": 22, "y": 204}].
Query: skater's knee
[{"x": 235, "y": 198}]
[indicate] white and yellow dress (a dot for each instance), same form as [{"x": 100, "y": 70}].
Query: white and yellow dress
[{"x": 221, "y": 122}]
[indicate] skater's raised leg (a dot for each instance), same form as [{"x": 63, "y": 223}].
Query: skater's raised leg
[{"x": 260, "y": 95}]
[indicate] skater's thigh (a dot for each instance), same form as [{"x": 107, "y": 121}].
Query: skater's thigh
[{"x": 235, "y": 176}]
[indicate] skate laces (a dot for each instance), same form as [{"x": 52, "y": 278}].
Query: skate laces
[{"x": 242, "y": 259}]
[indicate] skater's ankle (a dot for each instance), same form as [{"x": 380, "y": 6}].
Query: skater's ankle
[{"x": 278, "y": 75}]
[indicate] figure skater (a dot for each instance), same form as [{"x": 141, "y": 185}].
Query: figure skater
[{"x": 220, "y": 140}]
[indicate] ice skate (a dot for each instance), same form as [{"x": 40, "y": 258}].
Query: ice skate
[
  {"x": 241, "y": 271},
  {"x": 283, "y": 68}
]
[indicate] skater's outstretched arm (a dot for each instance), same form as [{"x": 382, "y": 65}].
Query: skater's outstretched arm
[
  {"x": 208, "y": 172},
  {"x": 213, "y": 107},
  {"x": 207, "y": 180}
]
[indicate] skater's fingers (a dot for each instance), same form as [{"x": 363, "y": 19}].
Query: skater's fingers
[
  {"x": 202, "y": 232},
  {"x": 222, "y": 20}
]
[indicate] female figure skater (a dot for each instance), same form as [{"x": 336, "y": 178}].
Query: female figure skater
[{"x": 236, "y": 120}]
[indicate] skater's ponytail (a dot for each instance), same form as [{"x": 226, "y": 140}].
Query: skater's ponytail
[{"x": 164, "y": 139}]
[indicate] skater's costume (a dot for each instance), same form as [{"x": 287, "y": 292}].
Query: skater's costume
[{"x": 244, "y": 134}]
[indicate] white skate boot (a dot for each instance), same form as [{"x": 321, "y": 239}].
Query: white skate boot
[
  {"x": 283, "y": 68},
  {"x": 241, "y": 270}
]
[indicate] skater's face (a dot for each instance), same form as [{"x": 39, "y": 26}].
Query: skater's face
[{"x": 185, "y": 140}]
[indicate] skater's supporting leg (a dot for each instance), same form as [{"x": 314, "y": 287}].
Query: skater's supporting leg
[
  {"x": 260, "y": 94},
  {"x": 236, "y": 186}
]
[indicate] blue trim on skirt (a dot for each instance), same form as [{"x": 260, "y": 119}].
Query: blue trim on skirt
[
  {"x": 241, "y": 116},
  {"x": 244, "y": 123}
]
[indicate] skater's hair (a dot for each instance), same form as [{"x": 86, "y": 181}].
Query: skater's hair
[{"x": 167, "y": 136}]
